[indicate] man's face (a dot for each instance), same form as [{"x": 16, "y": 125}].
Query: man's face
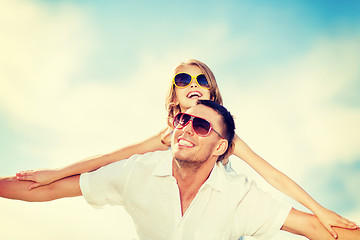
[{"x": 189, "y": 148}]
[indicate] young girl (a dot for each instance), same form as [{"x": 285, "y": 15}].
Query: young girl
[{"x": 193, "y": 80}]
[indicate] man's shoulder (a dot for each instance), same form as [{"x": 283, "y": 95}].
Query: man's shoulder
[
  {"x": 150, "y": 161},
  {"x": 151, "y": 157},
  {"x": 233, "y": 180}
]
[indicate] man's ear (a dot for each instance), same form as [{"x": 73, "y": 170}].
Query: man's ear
[{"x": 221, "y": 147}]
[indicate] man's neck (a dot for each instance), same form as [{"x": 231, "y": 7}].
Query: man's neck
[{"x": 190, "y": 179}]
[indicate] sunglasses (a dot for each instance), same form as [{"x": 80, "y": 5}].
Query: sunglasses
[
  {"x": 201, "y": 126},
  {"x": 182, "y": 80}
]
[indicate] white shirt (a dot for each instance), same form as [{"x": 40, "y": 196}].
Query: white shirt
[{"x": 226, "y": 207}]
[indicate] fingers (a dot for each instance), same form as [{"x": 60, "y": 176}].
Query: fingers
[
  {"x": 33, "y": 186},
  {"x": 331, "y": 219},
  {"x": 28, "y": 176},
  {"x": 345, "y": 223},
  {"x": 25, "y": 175},
  {"x": 331, "y": 231}
]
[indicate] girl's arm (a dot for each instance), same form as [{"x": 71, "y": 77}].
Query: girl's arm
[
  {"x": 287, "y": 186},
  {"x": 44, "y": 177}
]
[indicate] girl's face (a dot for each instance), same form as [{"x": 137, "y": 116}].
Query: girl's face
[{"x": 188, "y": 96}]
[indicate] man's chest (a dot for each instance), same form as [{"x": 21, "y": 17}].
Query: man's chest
[{"x": 157, "y": 211}]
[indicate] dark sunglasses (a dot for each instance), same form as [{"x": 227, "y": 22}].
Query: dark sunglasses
[
  {"x": 201, "y": 126},
  {"x": 182, "y": 80}
]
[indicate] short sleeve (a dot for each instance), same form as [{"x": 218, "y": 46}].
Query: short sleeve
[
  {"x": 259, "y": 214},
  {"x": 106, "y": 185}
]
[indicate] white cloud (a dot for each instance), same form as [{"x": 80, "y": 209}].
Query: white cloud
[
  {"x": 41, "y": 49},
  {"x": 292, "y": 117}
]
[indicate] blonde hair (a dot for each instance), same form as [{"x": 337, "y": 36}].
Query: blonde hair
[{"x": 171, "y": 104}]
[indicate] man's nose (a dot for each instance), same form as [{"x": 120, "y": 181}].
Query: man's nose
[{"x": 189, "y": 128}]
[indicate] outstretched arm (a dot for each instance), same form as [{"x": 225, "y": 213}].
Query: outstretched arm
[
  {"x": 287, "y": 186},
  {"x": 309, "y": 226},
  {"x": 12, "y": 188},
  {"x": 43, "y": 177}
]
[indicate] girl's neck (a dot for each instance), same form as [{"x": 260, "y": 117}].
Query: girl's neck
[{"x": 182, "y": 109}]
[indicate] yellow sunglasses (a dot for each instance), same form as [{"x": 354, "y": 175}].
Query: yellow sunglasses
[{"x": 182, "y": 80}]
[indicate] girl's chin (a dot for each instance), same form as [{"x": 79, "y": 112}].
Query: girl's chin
[
  {"x": 193, "y": 101},
  {"x": 189, "y": 104}
]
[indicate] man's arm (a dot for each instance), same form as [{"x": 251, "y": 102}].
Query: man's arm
[
  {"x": 12, "y": 188},
  {"x": 308, "y": 225}
]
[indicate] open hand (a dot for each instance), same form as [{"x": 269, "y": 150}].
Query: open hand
[
  {"x": 331, "y": 219},
  {"x": 39, "y": 177}
]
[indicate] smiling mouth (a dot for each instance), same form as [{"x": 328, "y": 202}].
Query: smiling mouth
[
  {"x": 185, "y": 143},
  {"x": 194, "y": 94}
]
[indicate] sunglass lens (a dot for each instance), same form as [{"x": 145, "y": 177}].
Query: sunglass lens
[
  {"x": 203, "y": 82},
  {"x": 201, "y": 126},
  {"x": 182, "y": 79},
  {"x": 181, "y": 120}
]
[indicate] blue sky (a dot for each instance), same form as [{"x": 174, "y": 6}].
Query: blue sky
[{"x": 77, "y": 78}]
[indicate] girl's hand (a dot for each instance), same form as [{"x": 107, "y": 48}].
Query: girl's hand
[
  {"x": 330, "y": 219},
  {"x": 39, "y": 177}
]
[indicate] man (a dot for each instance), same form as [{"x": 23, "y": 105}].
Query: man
[{"x": 184, "y": 193}]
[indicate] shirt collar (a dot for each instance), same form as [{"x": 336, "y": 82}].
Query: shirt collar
[
  {"x": 164, "y": 168},
  {"x": 215, "y": 180}
]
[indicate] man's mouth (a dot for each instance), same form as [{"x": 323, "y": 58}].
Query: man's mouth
[
  {"x": 194, "y": 94},
  {"x": 185, "y": 143}
]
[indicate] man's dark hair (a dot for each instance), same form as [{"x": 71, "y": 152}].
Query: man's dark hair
[{"x": 228, "y": 121}]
